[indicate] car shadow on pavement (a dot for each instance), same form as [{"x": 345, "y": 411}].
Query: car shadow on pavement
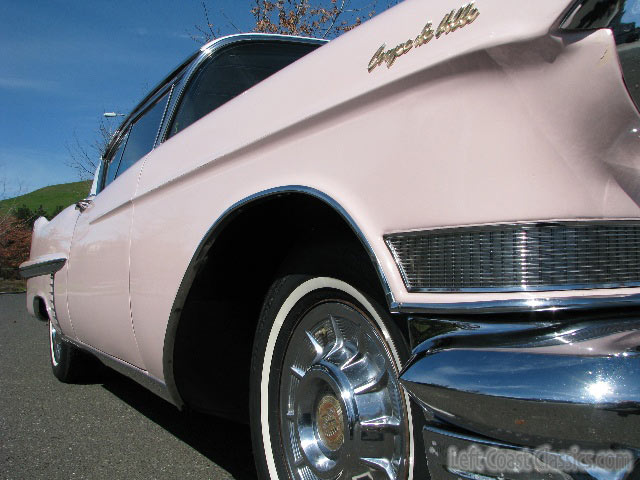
[{"x": 230, "y": 450}]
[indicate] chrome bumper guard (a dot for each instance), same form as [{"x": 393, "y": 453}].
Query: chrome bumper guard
[{"x": 552, "y": 398}]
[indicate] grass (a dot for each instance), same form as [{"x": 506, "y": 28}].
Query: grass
[{"x": 49, "y": 197}]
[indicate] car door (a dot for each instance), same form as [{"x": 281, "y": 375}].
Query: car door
[{"x": 98, "y": 279}]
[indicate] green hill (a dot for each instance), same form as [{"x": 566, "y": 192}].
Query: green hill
[{"x": 50, "y": 197}]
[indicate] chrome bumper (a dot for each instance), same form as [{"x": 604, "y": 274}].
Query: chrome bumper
[{"x": 549, "y": 389}]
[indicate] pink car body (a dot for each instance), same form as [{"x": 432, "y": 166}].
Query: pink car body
[{"x": 506, "y": 119}]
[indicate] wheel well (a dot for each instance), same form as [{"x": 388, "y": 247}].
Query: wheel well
[
  {"x": 40, "y": 309},
  {"x": 215, "y": 331}
]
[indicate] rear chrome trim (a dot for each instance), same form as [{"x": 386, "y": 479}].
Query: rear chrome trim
[{"x": 41, "y": 267}]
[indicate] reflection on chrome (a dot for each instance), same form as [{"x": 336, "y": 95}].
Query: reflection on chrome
[{"x": 599, "y": 390}]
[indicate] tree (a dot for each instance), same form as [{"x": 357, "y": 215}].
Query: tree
[
  {"x": 8, "y": 188},
  {"x": 15, "y": 234},
  {"x": 85, "y": 159},
  {"x": 308, "y": 18},
  {"x": 25, "y": 215},
  {"x": 15, "y": 242}
]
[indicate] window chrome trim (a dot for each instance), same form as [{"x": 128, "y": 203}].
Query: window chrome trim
[
  {"x": 210, "y": 49},
  {"x": 166, "y": 85},
  {"x": 131, "y": 119},
  {"x": 163, "y": 119},
  {"x": 95, "y": 183},
  {"x": 569, "y": 13}
]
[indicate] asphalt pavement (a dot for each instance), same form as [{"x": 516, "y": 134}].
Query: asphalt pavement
[{"x": 112, "y": 428}]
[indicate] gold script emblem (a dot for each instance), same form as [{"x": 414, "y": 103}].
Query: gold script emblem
[{"x": 451, "y": 22}]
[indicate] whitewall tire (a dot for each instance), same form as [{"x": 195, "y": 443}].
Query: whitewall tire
[{"x": 325, "y": 398}]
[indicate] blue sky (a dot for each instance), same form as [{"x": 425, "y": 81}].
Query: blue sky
[{"x": 64, "y": 63}]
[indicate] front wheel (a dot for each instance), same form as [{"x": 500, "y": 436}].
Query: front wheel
[{"x": 326, "y": 402}]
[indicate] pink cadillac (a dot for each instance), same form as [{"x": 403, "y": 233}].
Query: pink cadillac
[{"x": 417, "y": 241}]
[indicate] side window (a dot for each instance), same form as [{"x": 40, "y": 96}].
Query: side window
[
  {"x": 114, "y": 162},
  {"x": 142, "y": 135},
  {"x": 231, "y": 72}
]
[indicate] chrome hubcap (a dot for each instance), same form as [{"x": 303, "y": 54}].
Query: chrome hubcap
[{"x": 343, "y": 412}]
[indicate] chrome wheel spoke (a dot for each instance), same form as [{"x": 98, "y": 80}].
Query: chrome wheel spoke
[
  {"x": 297, "y": 372},
  {"x": 338, "y": 343},
  {"x": 381, "y": 464},
  {"x": 315, "y": 344},
  {"x": 385, "y": 423},
  {"x": 355, "y": 359},
  {"x": 373, "y": 385}
]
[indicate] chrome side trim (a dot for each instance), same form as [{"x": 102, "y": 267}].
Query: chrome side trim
[
  {"x": 45, "y": 267},
  {"x": 538, "y": 304},
  {"x": 52, "y": 300},
  {"x": 136, "y": 374},
  {"x": 208, "y": 241}
]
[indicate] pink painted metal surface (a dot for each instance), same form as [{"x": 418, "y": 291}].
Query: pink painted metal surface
[
  {"x": 52, "y": 239},
  {"x": 491, "y": 123},
  {"x": 98, "y": 272},
  {"x": 504, "y": 120}
]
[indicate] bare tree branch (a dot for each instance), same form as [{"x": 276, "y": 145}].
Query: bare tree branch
[
  {"x": 207, "y": 31},
  {"x": 230, "y": 21},
  {"x": 84, "y": 159},
  {"x": 335, "y": 18}
]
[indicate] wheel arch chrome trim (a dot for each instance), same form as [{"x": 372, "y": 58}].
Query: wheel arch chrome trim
[{"x": 209, "y": 240}]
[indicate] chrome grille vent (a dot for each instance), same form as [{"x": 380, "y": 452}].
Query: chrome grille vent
[{"x": 519, "y": 257}]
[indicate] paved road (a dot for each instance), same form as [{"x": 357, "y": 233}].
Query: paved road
[{"x": 111, "y": 429}]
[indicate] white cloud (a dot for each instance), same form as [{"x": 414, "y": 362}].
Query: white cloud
[
  {"x": 16, "y": 83},
  {"x": 140, "y": 31}
]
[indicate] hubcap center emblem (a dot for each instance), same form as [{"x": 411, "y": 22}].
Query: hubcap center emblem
[{"x": 330, "y": 423}]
